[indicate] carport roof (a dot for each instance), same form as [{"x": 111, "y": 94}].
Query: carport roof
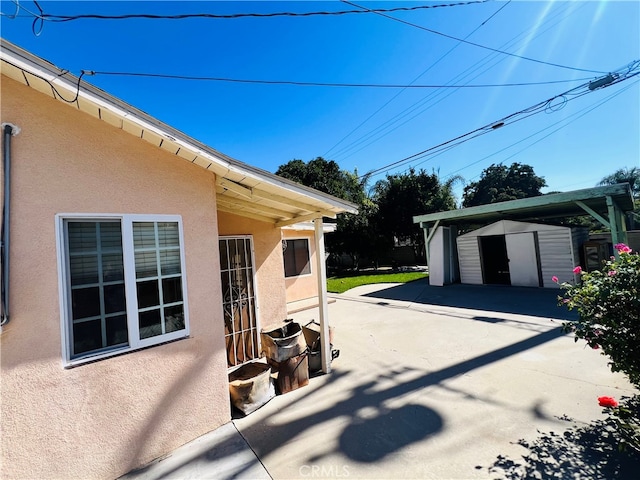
[{"x": 553, "y": 205}]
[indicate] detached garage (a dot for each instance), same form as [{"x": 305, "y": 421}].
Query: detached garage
[
  {"x": 515, "y": 247},
  {"x": 520, "y": 254}
]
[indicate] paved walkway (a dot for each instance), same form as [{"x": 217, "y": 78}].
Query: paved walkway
[{"x": 432, "y": 382}]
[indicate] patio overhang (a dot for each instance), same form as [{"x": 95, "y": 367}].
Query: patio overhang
[{"x": 241, "y": 189}]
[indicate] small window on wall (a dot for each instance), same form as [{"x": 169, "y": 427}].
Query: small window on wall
[
  {"x": 122, "y": 284},
  {"x": 296, "y": 257}
]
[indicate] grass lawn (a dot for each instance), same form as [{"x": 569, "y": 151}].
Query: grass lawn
[{"x": 343, "y": 283}]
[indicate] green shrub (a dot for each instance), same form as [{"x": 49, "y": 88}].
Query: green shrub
[{"x": 608, "y": 303}]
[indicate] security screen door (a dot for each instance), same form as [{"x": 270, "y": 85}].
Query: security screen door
[{"x": 239, "y": 299}]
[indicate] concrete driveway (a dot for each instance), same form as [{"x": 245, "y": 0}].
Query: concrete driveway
[{"x": 432, "y": 382}]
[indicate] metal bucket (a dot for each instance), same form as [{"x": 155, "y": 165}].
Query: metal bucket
[{"x": 283, "y": 342}]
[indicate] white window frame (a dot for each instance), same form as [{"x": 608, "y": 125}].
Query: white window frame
[
  {"x": 302, "y": 275},
  {"x": 128, "y": 257}
]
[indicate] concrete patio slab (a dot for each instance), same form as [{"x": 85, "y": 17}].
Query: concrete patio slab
[
  {"x": 432, "y": 382},
  {"x": 220, "y": 454}
]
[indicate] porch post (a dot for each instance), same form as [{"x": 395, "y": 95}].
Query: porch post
[{"x": 323, "y": 306}]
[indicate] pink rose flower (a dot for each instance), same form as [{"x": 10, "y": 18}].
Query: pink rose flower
[
  {"x": 607, "y": 402},
  {"x": 554, "y": 279},
  {"x": 611, "y": 273},
  {"x": 577, "y": 270},
  {"x": 622, "y": 248}
]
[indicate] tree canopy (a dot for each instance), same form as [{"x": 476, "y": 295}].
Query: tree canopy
[
  {"x": 323, "y": 175},
  {"x": 625, "y": 175},
  {"x": 499, "y": 183},
  {"x": 401, "y": 197}
]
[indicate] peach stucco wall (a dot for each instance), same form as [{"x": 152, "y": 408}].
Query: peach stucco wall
[
  {"x": 267, "y": 246},
  {"x": 101, "y": 419},
  {"x": 304, "y": 286}
]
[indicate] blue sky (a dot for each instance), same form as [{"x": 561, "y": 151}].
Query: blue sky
[{"x": 368, "y": 128}]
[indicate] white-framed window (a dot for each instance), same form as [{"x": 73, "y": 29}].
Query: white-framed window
[
  {"x": 122, "y": 283},
  {"x": 296, "y": 257}
]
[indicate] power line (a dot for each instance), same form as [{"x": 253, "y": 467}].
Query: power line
[
  {"x": 632, "y": 70},
  {"x": 430, "y": 100},
  {"x": 317, "y": 84},
  {"x": 41, "y": 16},
  {"x": 579, "y": 114},
  {"x": 435, "y": 32},
  {"x": 414, "y": 80}
]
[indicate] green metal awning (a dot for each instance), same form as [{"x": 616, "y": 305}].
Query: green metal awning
[{"x": 607, "y": 204}]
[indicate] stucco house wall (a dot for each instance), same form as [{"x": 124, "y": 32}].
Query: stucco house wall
[
  {"x": 102, "y": 419},
  {"x": 302, "y": 287},
  {"x": 267, "y": 245}
]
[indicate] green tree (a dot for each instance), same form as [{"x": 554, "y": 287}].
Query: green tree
[
  {"x": 632, "y": 177},
  {"x": 625, "y": 175},
  {"x": 499, "y": 183},
  {"x": 323, "y": 175},
  {"x": 355, "y": 235},
  {"x": 401, "y": 197}
]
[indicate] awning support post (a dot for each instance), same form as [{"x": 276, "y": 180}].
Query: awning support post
[{"x": 323, "y": 306}]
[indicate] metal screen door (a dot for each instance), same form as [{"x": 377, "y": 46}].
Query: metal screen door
[{"x": 239, "y": 300}]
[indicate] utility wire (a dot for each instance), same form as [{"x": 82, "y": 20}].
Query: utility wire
[
  {"x": 430, "y": 101},
  {"x": 632, "y": 70},
  {"x": 413, "y": 81},
  {"x": 567, "y": 121},
  {"x": 40, "y": 17},
  {"x": 521, "y": 57},
  {"x": 319, "y": 84}
]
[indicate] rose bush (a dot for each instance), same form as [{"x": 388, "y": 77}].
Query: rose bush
[{"x": 608, "y": 303}]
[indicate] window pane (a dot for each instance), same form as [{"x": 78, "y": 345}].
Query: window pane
[
  {"x": 83, "y": 269},
  {"x": 148, "y": 294},
  {"x": 117, "y": 330},
  {"x": 85, "y": 302},
  {"x": 144, "y": 235},
  {"x": 174, "y": 318},
  {"x": 168, "y": 234},
  {"x": 172, "y": 289},
  {"x": 146, "y": 264},
  {"x": 289, "y": 260},
  {"x": 87, "y": 336},
  {"x": 150, "y": 324},
  {"x": 302, "y": 257},
  {"x": 95, "y": 258},
  {"x": 112, "y": 267},
  {"x": 114, "y": 300},
  {"x": 82, "y": 236},
  {"x": 110, "y": 236},
  {"x": 170, "y": 261}
]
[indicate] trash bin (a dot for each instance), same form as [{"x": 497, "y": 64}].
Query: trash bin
[
  {"x": 311, "y": 332},
  {"x": 283, "y": 342},
  {"x": 293, "y": 372},
  {"x": 251, "y": 386}
]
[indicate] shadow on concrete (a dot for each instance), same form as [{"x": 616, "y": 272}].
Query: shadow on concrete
[
  {"x": 590, "y": 451},
  {"x": 537, "y": 302},
  {"x": 373, "y": 431},
  {"x": 371, "y": 438}
]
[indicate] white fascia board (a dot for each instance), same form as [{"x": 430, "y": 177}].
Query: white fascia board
[{"x": 39, "y": 67}]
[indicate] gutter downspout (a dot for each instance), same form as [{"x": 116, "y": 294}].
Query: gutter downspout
[{"x": 8, "y": 130}]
